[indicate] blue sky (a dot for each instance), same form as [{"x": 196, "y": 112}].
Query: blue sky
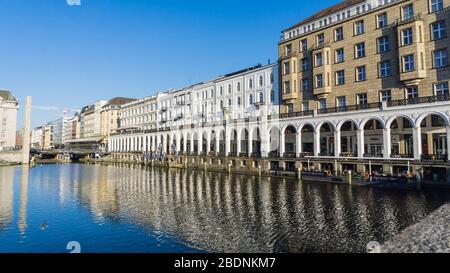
[{"x": 68, "y": 56}]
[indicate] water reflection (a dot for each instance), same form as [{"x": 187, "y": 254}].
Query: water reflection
[
  {"x": 214, "y": 211},
  {"x": 6, "y": 196}
]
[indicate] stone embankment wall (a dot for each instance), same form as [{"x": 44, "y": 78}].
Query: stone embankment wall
[
  {"x": 11, "y": 157},
  {"x": 431, "y": 235}
]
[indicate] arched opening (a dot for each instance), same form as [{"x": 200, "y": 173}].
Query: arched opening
[
  {"x": 244, "y": 143},
  {"x": 167, "y": 144},
  {"x": 233, "y": 143},
  {"x": 188, "y": 143},
  {"x": 327, "y": 140},
  {"x": 173, "y": 148},
  {"x": 256, "y": 145},
  {"x": 204, "y": 143},
  {"x": 275, "y": 135},
  {"x": 195, "y": 144},
  {"x": 307, "y": 140},
  {"x": 402, "y": 144},
  {"x": 434, "y": 138},
  {"x": 290, "y": 142},
  {"x": 212, "y": 144},
  {"x": 161, "y": 143},
  {"x": 222, "y": 143},
  {"x": 182, "y": 151},
  {"x": 349, "y": 139},
  {"x": 373, "y": 138}
]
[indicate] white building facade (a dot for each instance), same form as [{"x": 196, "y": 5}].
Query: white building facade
[{"x": 8, "y": 120}]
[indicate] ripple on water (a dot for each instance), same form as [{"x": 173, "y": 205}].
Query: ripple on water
[{"x": 122, "y": 208}]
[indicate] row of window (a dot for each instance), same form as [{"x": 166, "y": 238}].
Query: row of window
[
  {"x": 139, "y": 120},
  {"x": 412, "y": 92},
  {"x": 437, "y": 32},
  {"x": 250, "y": 99},
  {"x": 440, "y": 59},
  {"x": 249, "y": 84},
  {"x": 140, "y": 110},
  {"x": 407, "y": 13}
]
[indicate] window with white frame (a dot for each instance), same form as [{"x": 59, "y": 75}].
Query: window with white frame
[
  {"x": 322, "y": 104},
  {"x": 319, "y": 81},
  {"x": 238, "y": 87},
  {"x": 287, "y": 87},
  {"x": 290, "y": 107},
  {"x": 304, "y": 45},
  {"x": 319, "y": 59},
  {"x": 385, "y": 95},
  {"x": 412, "y": 92},
  {"x": 440, "y": 58},
  {"x": 436, "y": 5},
  {"x": 339, "y": 55},
  {"x": 261, "y": 81},
  {"x": 359, "y": 27},
  {"x": 272, "y": 96},
  {"x": 407, "y": 36},
  {"x": 305, "y": 106},
  {"x": 441, "y": 89},
  {"x": 261, "y": 97},
  {"x": 250, "y": 83},
  {"x": 407, "y": 12},
  {"x": 339, "y": 34},
  {"x": 362, "y": 99},
  {"x": 341, "y": 101},
  {"x": 288, "y": 49},
  {"x": 305, "y": 64},
  {"x": 340, "y": 77},
  {"x": 438, "y": 30},
  {"x": 408, "y": 63},
  {"x": 383, "y": 44},
  {"x": 360, "y": 50},
  {"x": 382, "y": 20},
  {"x": 287, "y": 68},
  {"x": 305, "y": 85},
  {"x": 385, "y": 69},
  {"x": 361, "y": 73},
  {"x": 320, "y": 39}
]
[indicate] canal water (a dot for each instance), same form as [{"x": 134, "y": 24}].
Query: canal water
[{"x": 121, "y": 208}]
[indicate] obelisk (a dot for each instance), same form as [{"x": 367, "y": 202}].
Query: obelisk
[{"x": 26, "y": 132}]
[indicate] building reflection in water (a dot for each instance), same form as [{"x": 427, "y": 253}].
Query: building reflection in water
[
  {"x": 6, "y": 196},
  {"x": 23, "y": 200},
  {"x": 218, "y": 212}
]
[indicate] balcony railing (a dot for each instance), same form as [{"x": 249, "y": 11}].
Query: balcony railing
[
  {"x": 348, "y": 154},
  {"x": 326, "y": 154},
  {"x": 435, "y": 158},
  {"x": 289, "y": 155},
  {"x": 274, "y": 154},
  {"x": 305, "y": 154},
  {"x": 401, "y": 156},
  {"x": 232, "y": 154},
  {"x": 256, "y": 155},
  {"x": 373, "y": 155},
  {"x": 243, "y": 154},
  {"x": 420, "y": 100},
  {"x": 297, "y": 114},
  {"x": 375, "y": 105}
]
